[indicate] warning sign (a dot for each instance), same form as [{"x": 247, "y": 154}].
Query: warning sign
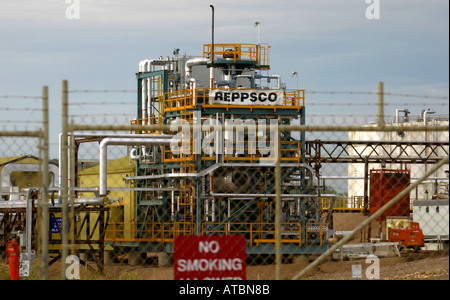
[{"x": 210, "y": 257}]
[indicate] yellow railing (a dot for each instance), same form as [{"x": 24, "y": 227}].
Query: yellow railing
[
  {"x": 256, "y": 233},
  {"x": 248, "y": 151},
  {"x": 240, "y": 52},
  {"x": 320, "y": 228},
  {"x": 349, "y": 204},
  {"x": 355, "y": 203},
  {"x": 178, "y": 100},
  {"x": 189, "y": 98},
  {"x": 147, "y": 121},
  {"x": 152, "y": 232}
]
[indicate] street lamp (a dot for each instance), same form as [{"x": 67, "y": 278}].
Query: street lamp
[
  {"x": 258, "y": 25},
  {"x": 296, "y": 75}
]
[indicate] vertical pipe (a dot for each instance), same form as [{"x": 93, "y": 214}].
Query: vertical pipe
[
  {"x": 29, "y": 222},
  {"x": 72, "y": 182},
  {"x": 45, "y": 184},
  {"x": 101, "y": 239},
  {"x": 64, "y": 175},
  {"x": 211, "y": 70},
  {"x": 143, "y": 101},
  {"x": 380, "y": 119}
]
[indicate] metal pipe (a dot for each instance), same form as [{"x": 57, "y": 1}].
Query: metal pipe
[
  {"x": 277, "y": 77},
  {"x": 397, "y": 115},
  {"x": 29, "y": 221},
  {"x": 233, "y": 195},
  {"x": 98, "y": 135},
  {"x": 429, "y": 111},
  {"x": 193, "y": 62},
  {"x": 5, "y": 174},
  {"x": 144, "y": 100},
  {"x": 211, "y": 70},
  {"x": 148, "y": 66},
  {"x": 236, "y": 78},
  {"x": 149, "y": 141},
  {"x": 214, "y": 167}
]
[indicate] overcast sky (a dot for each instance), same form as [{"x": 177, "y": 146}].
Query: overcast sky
[{"x": 331, "y": 44}]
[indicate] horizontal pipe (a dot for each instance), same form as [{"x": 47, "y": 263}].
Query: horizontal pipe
[
  {"x": 125, "y": 141},
  {"x": 233, "y": 195},
  {"x": 5, "y": 174},
  {"x": 334, "y": 128},
  {"x": 137, "y": 189},
  {"x": 214, "y": 167}
]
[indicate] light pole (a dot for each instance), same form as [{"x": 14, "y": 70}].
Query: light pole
[
  {"x": 258, "y": 25},
  {"x": 296, "y": 75}
]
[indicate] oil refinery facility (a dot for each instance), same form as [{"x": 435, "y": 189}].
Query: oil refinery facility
[{"x": 213, "y": 172}]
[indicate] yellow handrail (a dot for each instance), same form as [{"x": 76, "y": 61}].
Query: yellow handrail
[
  {"x": 190, "y": 98},
  {"x": 240, "y": 52},
  {"x": 343, "y": 203}
]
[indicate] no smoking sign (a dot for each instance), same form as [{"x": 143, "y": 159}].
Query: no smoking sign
[{"x": 210, "y": 257}]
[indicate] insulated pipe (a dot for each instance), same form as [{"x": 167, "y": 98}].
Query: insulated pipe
[
  {"x": 5, "y": 174},
  {"x": 277, "y": 77},
  {"x": 242, "y": 76},
  {"x": 114, "y": 135},
  {"x": 193, "y": 62},
  {"x": 141, "y": 65},
  {"x": 29, "y": 220},
  {"x": 193, "y": 87},
  {"x": 429, "y": 111},
  {"x": 144, "y": 100},
  {"x": 397, "y": 115},
  {"x": 234, "y": 195},
  {"x": 211, "y": 70},
  {"x": 149, "y": 141},
  {"x": 146, "y": 66}
]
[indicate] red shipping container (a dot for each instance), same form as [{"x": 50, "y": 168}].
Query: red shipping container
[{"x": 385, "y": 184}]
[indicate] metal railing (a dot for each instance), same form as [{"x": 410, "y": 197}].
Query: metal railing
[{"x": 240, "y": 52}]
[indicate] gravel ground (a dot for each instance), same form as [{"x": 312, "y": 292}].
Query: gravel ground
[{"x": 414, "y": 266}]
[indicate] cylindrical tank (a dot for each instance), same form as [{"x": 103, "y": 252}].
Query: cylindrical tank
[{"x": 231, "y": 181}]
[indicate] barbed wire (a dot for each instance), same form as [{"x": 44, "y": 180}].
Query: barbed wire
[
  {"x": 21, "y": 109},
  {"x": 19, "y": 97},
  {"x": 375, "y": 104},
  {"x": 376, "y": 93},
  {"x": 101, "y": 103},
  {"x": 101, "y": 91}
]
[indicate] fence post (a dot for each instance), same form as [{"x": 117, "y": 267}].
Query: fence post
[
  {"x": 380, "y": 92},
  {"x": 64, "y": 178},
  {"x": 45, "y": 183}
]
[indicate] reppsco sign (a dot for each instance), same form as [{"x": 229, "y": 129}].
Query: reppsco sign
[
  {"x": 210, "y": 257},
  {"x": 246, "y": 97}
]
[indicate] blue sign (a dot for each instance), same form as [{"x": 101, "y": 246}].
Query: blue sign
[{"x": 56, "y": 222}]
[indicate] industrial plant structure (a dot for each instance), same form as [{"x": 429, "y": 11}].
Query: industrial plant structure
[{"x": 217, "y": 176}]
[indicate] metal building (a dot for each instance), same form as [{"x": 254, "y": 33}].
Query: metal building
[{"x": 415, "y": 150}]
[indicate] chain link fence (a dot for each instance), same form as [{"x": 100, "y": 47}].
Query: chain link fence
[
  {"x": 26, "y": 175},
  {"x": 332, "y": 185}
]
